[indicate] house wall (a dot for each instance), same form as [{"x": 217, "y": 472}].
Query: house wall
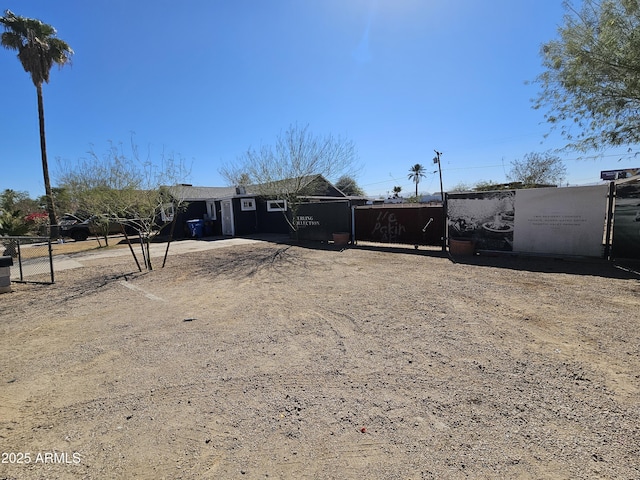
[
  {"x": 246, "y": 222},
  {"x": 260, "y": 220},
  {"x": 270, "y": 222}
]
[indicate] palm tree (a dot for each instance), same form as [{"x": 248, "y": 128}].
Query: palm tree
[
  {"x": 417, "y": 172},
  {"x": 38, "y": 49}
]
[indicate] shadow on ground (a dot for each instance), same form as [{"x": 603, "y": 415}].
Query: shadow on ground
[
  {"x": 619, "y": 269},
  {"x": 572, "y": 266}
]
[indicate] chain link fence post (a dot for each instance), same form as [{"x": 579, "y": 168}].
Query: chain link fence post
[{"x": 34, "y": 257}]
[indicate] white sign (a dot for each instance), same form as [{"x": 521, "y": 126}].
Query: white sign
[{"x": 563, "y": 221}]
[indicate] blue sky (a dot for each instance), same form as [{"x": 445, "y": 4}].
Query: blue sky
[{"x": 207, "y": 79}]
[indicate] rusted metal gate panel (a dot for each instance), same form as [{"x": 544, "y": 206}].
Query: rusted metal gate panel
[{"x": 412, "y": 225}]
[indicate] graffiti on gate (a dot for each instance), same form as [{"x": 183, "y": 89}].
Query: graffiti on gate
[
  {"x": 387, "y": 227},
  {"x": 410, "y": 225}
]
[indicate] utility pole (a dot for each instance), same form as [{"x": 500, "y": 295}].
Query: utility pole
[{"x": 436, "y": 159}]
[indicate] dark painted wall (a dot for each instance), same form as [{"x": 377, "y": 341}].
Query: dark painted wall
[
  {"x": 318, "y": 221},
  {"x": 270, "y": 222},
  {"x": 246, "y": 222}
]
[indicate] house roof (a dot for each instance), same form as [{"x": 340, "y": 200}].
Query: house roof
[
  {"x": 314, "y": 185},
  {"x": 191, "y": 193},
  {"x": 304, "y": 183}
]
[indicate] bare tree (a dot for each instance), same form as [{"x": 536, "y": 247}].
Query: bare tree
[
  {"x": 287, "y": 170},
  {"x": 140, "y": 193},
  {"x": 97, "y": 186}
]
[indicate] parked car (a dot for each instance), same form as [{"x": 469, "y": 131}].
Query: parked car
[{"x": 79, "y": 229}]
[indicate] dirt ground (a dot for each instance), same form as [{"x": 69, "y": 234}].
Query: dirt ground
[{"x": 310, "y": 361}]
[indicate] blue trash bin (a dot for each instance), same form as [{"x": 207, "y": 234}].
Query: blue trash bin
[{"x": 195, "y": 228}]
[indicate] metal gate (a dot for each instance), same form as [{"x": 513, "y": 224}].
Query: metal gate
[
  {"x": 407, "y": 224},
  {"x": 626, "y": 220},
  {"x": 32, "y": 258}
]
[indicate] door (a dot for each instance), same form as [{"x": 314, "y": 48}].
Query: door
[{"x": 227, "y": 217}]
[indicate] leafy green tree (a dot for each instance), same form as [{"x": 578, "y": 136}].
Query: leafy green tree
[
  {"x": 38, "y": 50},
  {"x": 16, "y": 200},
  {"x": 416, "y": 173},
  {"x": 12, "y": 223},
  {"x": 486, "y": 186},
  {"x": 591, "y": 82},
  {"x": 348, "y": 185},
  {"x": 11, "y": 216},
  {"x": 538, "y": 169},
  {"x": 461, "y": 187},
  {"x": 61, "y": 199},
  {"x": 396, "y": 191}
]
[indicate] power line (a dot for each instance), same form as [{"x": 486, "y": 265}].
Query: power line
[
  {"x": 576, "y": 159},
  {"x": 405, "y": 185}
]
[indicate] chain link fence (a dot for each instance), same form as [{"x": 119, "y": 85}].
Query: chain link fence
[{"x": 32, "y": 258}]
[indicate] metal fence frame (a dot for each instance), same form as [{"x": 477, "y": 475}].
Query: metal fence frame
[
  {"x": 403, "y": 223},
  {"x": 13, "y": 246}
]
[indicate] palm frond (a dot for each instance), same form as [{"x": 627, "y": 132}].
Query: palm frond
[{"x": 38, "y": 47}]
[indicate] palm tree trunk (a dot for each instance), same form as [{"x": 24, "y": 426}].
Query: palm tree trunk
[{"x": 45, "y": 166}]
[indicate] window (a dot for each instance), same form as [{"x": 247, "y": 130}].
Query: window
[
  {"x": 276, "y": 205},
  {"x": 211, "y": 209},
  {"x": 167, "y": 212},
  {"x": 247, "y": 204}
]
